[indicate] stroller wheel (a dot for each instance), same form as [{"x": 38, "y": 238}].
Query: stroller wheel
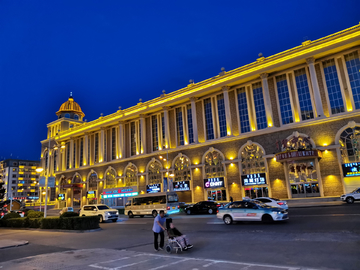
[{"x": 168, "y": 249}]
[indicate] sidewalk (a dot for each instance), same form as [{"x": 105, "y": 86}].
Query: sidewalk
[
  {"x": 314, "y": 202},
  {"x": 6, "y": 243}
]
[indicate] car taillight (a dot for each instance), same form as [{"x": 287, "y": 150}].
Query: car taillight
[
  {"x": 178, "y": 206},
  {"x": 23, "y": 213},
  {"x": 2, "y": 214},
  {"x": 218, "y": 205},
  {"x": 217, "y": 211},
  {"x": 280, "y": 203},
  {"x": 168, "y": 208}
]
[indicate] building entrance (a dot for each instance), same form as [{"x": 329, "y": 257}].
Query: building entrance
[
  {"x": 217, "y": 195},
  {"x": 303, "y": 190},
  {"x": 76, "y": 197},
  {"x": 256, "y": 192}
]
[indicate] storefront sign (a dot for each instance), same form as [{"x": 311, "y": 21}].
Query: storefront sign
[
  {"x": 296, "y": 155},
  {"x": 120, "y": 192},
  {"x": 351, "y": 169},
  {"x": 61, "y": 197},
  {"x": 181, "y": 186},
  {"x": 153, "y": 188},
  {"x": 214, "y": 182},
  {"x": 253, "y": 179},
  {"x": 91, "y": 194}
]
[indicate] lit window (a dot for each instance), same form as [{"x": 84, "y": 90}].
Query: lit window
[
  {"x": 190, "y": 123},
  {"x": 93, "y": 181},
  {"x": 221, "y": 115},
  {"x": 214, "y": 166},
  {"x": 67, "y": 156},
  {"x": 96, "y": 148},
  {"x": 260, "y": 112},
  {"x": 113, "y": 143},
  {"x": 163, "y": 130},
  {"x": 208, "y": 119},
  {"x": 333, "y": 87},
  {"x": 154, "y": 173},
  {"x": 81, "y": 151},
  {"x": 252, "y": 160},
  {"x": 133, "y": 138},
  {"x": 304, "y": 94},
  {"x": 179, "y": 126},
  {"x": 284, "y": 100},
  {"x": 243, "y": 110},
  {"x": 110, "y": 180},
  {"x": 74, "y": 155},
  {"x": 353, "y": 68},
  {"x": 131, "y": 175},
  {"x": 155, "y": 133},
  {"x": 182, "y": 169},
  {"x": 349, "y": 142}
]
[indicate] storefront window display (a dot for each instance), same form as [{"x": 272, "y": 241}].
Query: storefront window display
[
  {"x": 217, "y": 195},
  {"x": 350, "y": 145},
  {"x": 214, "y": 183}
]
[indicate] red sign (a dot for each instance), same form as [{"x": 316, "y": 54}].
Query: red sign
[
  {"x": 73, "y": 186},
  {"x": 296, "y": 155}
]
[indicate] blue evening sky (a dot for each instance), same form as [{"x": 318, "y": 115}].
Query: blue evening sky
[{"x": 111, "y": 53}]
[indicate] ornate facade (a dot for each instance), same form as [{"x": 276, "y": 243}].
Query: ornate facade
[{"x": 283, "y": 126}]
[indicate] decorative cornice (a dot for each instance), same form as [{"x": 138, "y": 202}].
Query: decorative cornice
[{"x": 310, "y": 60}]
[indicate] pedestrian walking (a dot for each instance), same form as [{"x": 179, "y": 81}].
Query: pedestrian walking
[{"x": 158, "y": 229}]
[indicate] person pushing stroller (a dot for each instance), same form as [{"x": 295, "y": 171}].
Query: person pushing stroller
[{"x": 175, "y": 233}]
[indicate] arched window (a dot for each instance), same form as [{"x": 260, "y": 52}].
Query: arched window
[
  {"x": 131, "y": 175},
  {"x": 214, "y": 164},
  {"x": 93, "y": 181},
  {"x": 350, "y": 144},
  {"x": 252, "y": 160},
  {"x": 182, "y": 169},
  {"x": 67, "y": 115},
  {"x": 76, "y": 179},
  {"x": 110, "y": 179},
  {"x": 46, "y": 161},
  {"x": 154, "y": 172},
  {"x": 55, "y": 157},
  {"x": 62, "y": 185},
  {"x": 76, "y": 117}
]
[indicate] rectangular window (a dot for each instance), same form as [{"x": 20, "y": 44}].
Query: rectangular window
[
  {"x": 284, "y": 100},
  {"x": 105, "y": 152},
  {"x": 260, "y": 111},
  {"x": 243, "y": 110},
  {"x": 139, "y": 123},
  {"x": 163, "y": 130},
  {"x": 88, "y": 153},
  {"x": 96, "y": 159},
  {"x": 74, "y": 155},
  {"x": 353, "y": 69},
  {"x": 333, "y": 86},
  {"x": 190, "y": 123},
  {"x": 179, "y": 126},
  {"x": 67, "y": 155},
  {"x": 221, "y": 115},
  {"x": 113, "y": 143},
  {"x": 155, "y": 139},
  {"x": 133, "y": 138},
  {"x": 208, "y": 119},
  {"x": 304, "y": 94},
  {"x": 81, "y": 152},
  {"x": 55, "y": 157}
]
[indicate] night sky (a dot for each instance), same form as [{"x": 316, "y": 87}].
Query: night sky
[{"x": 111, "y": 53}]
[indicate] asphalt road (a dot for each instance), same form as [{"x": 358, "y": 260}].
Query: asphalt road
[{"x": 319, "y": 237}]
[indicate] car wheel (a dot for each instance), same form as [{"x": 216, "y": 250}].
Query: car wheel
[
  {"x": 210, "y": 211},
  {"x": 114, "y": 220},
  {"x": 168, "y": 249},
  {"x": 154, "y": 213},
  {"x": 267, "y": 219},
  {"x": 228, "y": 220},
  {"x": 350, "y": 200},
  {"x": 130, "y": 214},
  {"x": 101, "y": 219},
  {"x": 188, "y": 212},
  {"x": 83, "y": 215}
]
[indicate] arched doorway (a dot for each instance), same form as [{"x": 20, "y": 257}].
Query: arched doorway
[{"x": 76, "y": 191}]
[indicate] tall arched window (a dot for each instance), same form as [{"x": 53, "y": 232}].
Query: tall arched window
[
  {"x": 54, "y": 157},
  {"x": 62, "y": 184},
  {"x": 252, "y": 160},
  {"x": 93, "y": 181},
  {"x": 214, "y": 164},
  {"x": 76, "y": 179},
  {"x": 182, "y": 169},
  {"x": 350, "y": 144},
  {"x": 131, "y": 175},
  {"x": 110, "y": 179},
  {"x": 76, "y": 117},
  {"x": 154, "y": 172}
]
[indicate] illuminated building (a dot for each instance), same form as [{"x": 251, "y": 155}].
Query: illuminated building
[
  {"x": 20, "y": 178},
  {"x": 282, "y": 126}
]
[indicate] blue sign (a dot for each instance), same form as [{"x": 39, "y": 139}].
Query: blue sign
[
  {"x": 351, "y": 169},
  {"x": 153, "y": 188}
]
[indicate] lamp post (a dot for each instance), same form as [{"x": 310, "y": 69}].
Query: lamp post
[{"x": 39, "y": 170}]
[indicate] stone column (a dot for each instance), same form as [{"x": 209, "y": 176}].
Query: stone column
[
  {"x": 121, "y": 140},
  {"x": 167, "y": 130},
  {"x": 71, "y": 157},
  {"x": 102, "y": 145},
  {"x": 267, "y": 101},
  {"x": 86, "y": 150},
  {"x": 315, "y": 85},
  {"x": 194, "y": 120},
  {"x": 143, "y": 134},
  {"x": 227, "y": 111}
]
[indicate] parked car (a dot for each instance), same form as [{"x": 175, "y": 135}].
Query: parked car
[
  {"x": 66, "y": 209},
  {"x": 352, "y": 196},
  {"x": 101, "y": 210},
  {"x": 251, "y": 211},
  {"x": 203, "y": 207},
  {"x": 273, "y": 202}
]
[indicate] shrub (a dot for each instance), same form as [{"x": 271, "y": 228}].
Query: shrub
[
  {"x": 51, "y": 223},
  {"x": 34, "y": 214},
  {"x": 34, "y": 222},
  {"x": 10, "y": 215},
  {"x": 15, "y": 222},
  {"x": 85, "y": 223},
  {"x": 69, "y": 214}
]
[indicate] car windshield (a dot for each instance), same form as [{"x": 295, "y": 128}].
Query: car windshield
[
  {"x": 355, "y": 190},
  {"x": 103, "y": 207},
  {"x": 260, "y": 204}
]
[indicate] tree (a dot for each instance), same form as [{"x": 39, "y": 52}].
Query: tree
[{"x": 2, "y": 190}]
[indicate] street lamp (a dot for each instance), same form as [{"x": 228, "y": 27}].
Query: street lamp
[{"x": 39, "y": 170}]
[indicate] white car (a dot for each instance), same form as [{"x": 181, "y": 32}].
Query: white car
[
  {"x": 101, "y": 210},
  {"x": 273, "y": 202},
  {"x": 351, "y": 197}
]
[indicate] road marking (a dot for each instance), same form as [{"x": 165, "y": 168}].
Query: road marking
[
  {"x": 215, "y": 222},
  {"x": 130, "y": 264},
  {"x": 162, "y": 266},
  {"x": 209, "y": 264},
  {"x": 103, "y": 267}
]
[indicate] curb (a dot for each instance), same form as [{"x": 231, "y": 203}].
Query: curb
[
  {"x": 313, "y": 206},
  {"x": 53, "y": 230},
  {"x": 23, "y": 244}
]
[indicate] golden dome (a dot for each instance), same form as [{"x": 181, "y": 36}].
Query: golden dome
[{"x": 70, "y": 106}]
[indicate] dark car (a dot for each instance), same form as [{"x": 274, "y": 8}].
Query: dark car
[{"x": 204, "y": 207}]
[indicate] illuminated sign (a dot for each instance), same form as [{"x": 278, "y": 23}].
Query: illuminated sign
[
  {"x": 120, "y": 195},
  {"x": 181, "y": 186},
  {"x": 351, "y": 169},
  {"x": 292, "y": 155},
  {"x": 253, "y": 179},
  {"x": 61, "y": 197},
  {"x": 214, "y": 182},
  {"x": 91, "y": 194},
  {"x": 153, "y": 188},
  {"x": 120, "y": 192}
]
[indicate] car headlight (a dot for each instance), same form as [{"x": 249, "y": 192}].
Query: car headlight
[{"x": 107, "y": 213}]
